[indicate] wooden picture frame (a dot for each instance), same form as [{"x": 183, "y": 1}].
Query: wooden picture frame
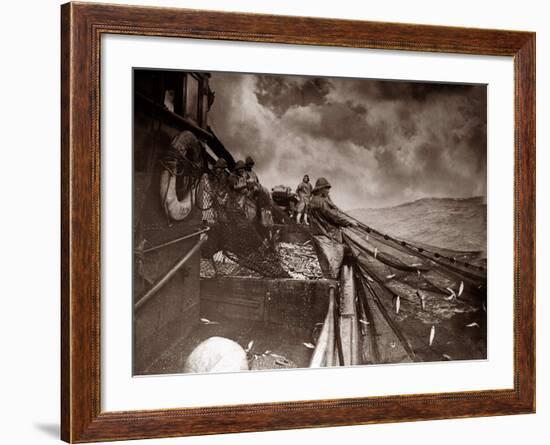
[{"x": 82, "y": 26}]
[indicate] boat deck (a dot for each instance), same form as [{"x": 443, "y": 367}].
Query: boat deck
[{"x": 284, "y": 345}]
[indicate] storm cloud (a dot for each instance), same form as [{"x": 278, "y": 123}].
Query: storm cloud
[{"x": 380, "y": 143}]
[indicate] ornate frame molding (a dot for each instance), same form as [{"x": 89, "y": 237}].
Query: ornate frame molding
[{"x": 82, "y": 26}]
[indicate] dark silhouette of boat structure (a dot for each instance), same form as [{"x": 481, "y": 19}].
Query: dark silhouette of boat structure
[{"x": 290, "y": 300}]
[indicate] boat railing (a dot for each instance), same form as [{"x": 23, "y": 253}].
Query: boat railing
[
  {"x": 323, "y": 354},
  {"x": 166, "y": 277}
]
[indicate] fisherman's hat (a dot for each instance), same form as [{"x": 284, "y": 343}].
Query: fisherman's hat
[
  {"x": 249, "y": 160},
  {"x": 239, "y": 165},
  {"x": 220, "y": 163},
  {"x": 321, "y": 184}
]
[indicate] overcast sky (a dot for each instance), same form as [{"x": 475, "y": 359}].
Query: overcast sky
[{"x": 380, "y": 143}]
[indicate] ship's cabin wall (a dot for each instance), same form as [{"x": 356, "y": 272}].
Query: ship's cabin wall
[{"x": 165, "y": 103}]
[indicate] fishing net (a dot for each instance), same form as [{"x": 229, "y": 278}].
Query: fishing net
[
  {"x": 402, "y": 287},
  {"x": 205, "y": 193},
  {"x": 238, "y": 230}
]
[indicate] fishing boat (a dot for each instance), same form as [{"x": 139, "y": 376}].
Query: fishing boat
[{"x": 204, "y": 267}]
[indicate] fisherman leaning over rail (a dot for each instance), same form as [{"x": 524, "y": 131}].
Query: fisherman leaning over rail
[
  {"x": 326, "y": 220},
  {"x": 251, "y": 177},
  {"x": 303, "y": 191},
  {"x": 238, "y": 184}
]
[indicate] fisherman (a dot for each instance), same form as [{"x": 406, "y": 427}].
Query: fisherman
[
  {"x": 253, "y": 183},
  {"x": 218, "y": 171},
  {"x": 325, "y": 218},
  {"x": 292, "y": 204},
  {"x": 285, "y": 199},
  {"x": 238, "y": 183},
  {"x": 303, "y": 191},
  {"x": 219, "y": 178},
  {"x": 327, "y": 222}
]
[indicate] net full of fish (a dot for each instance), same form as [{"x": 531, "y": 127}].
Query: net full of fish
[{"x": 299, "y": 260}]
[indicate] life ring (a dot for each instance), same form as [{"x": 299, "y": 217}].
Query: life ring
[
  {"x": 182, "y": 158},
  {"x": 175, "y": 208}
]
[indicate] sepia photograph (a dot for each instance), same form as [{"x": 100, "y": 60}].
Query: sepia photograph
[{"x": 284, "y": 221}]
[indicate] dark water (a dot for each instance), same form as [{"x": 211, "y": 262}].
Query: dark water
[{"x": 458, "y": 224}]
